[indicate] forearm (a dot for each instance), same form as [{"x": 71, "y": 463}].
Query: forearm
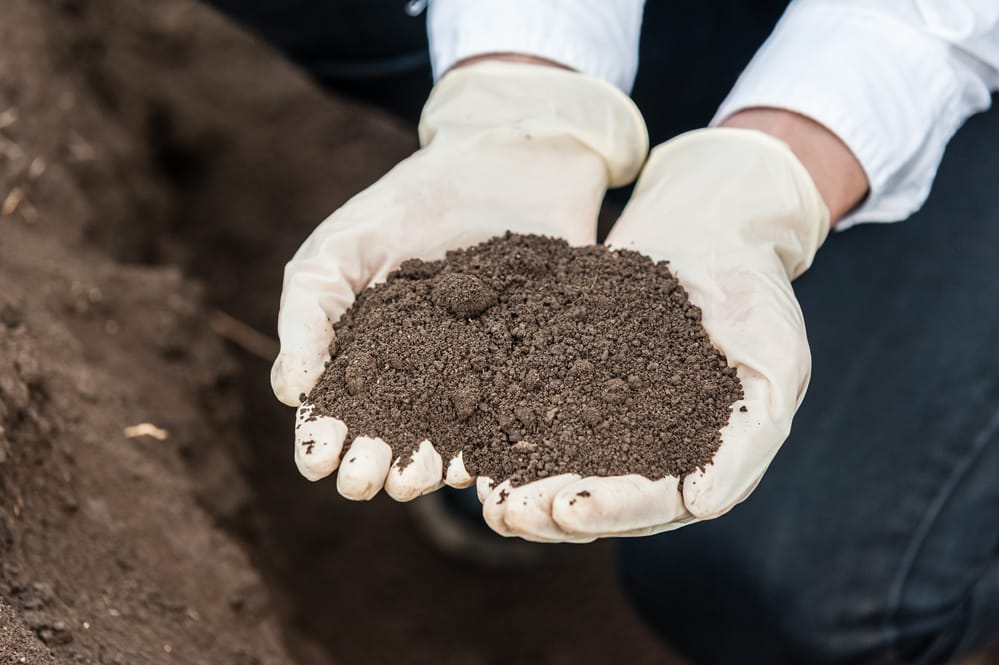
[
  {"x": 835, "y": 170},
  {"x": 893, "y": 80}
]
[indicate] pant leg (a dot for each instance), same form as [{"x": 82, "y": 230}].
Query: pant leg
[{"x": 874, "y": 538}]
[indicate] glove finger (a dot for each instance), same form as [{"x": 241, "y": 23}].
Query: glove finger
[
  {"x": 457, "y": 475},
  {"x": 484, "y": 486},
  {"x": 365, "y": 466},
  {"x": 318, "y": 442},
  {"x": 619, "y": 504},
  {"x": 527, "y": 510},
  {"x": 410, "y": 478},
  {"x": 339, "y": 259},
  {"x": 494, "y": 512},
  {"x": 749, "y": 442},
  {"x": 493, "y": 509},
  {"x": 313, "y": 297}
]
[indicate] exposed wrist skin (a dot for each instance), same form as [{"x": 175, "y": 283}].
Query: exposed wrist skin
[
  {"x": 509, "y": 57},
  {"x": 837, "y": 173}
]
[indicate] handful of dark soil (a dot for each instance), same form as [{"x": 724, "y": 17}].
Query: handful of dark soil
[{"x": 533, "y": 358}]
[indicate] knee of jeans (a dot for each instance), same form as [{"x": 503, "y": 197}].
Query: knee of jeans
[{"x": 713, "y": 609}]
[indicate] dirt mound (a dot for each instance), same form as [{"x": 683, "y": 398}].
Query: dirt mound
[
  {"x": 105, "y": 555},
  {"x": 105, "y": 551},
  {"x": 141, "y": 143},
  {"x": 532, "y": 358}
]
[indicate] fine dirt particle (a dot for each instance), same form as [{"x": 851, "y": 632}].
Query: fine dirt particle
[{"x": 533, "y": 358}]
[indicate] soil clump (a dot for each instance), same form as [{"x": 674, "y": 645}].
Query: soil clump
[{"x": 533, "y": 358}]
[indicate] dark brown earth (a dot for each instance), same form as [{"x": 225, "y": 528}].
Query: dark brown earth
[
  {"x": 156, "y": 166},
  {"x": 532, "y": 358}
]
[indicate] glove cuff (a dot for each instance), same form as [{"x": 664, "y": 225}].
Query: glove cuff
[
  {"x": 758, "y": 191},
  {"x": 523, "y": 103}
]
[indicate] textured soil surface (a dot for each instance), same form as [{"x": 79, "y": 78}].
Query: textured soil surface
[
  {"x": 156, "y": 166},
  {"x": 17, "y": 643},
  {"x": 532, "y": 358}
]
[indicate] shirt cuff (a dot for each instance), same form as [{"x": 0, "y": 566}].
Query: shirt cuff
[
  {"x": 595, "y": 37},
  {"x": 892, "y": 93}
]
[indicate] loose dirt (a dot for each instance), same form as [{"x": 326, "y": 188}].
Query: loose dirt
[{"x": 533, "y": 358}]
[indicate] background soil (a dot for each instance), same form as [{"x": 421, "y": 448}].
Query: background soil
[{"x": 157, "y": 164}]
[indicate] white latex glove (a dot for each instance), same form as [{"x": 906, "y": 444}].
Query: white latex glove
[
  {"x": 738, "y": 217},
  {"x": 516, "y": 147}
]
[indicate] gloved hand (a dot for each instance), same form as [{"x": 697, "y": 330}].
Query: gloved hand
[
  {"x": 506, "y": 146},
  {"x": 738, "y": 217}
]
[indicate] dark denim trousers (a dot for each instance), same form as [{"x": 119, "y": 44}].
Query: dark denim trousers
[{"x": 874, "y": 537}]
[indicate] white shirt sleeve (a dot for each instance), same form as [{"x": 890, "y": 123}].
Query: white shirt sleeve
[
  {"x": 894, "y": 79},
  {"x": 596, "y": 37}
]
